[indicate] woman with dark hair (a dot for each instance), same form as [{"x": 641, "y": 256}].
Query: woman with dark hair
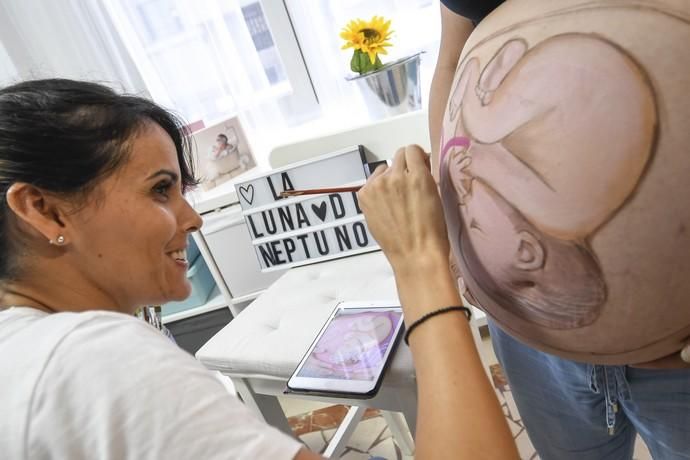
[{"x": 94, "y": 224}]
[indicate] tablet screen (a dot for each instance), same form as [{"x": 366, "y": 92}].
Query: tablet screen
[{"x": 353, "y": 345}]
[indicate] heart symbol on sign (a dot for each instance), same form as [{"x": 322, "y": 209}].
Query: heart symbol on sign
[
  {"x": 247, "y": 193},
  {"x": 320, "y": 211}
]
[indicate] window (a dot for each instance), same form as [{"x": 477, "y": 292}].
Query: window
[
  {"x": 263, "y": 42},
  {"x": 416, "y": 25},
  {"x": 207, "y": 59},
  {"x": 8, "y": 73},
  {"x": 277, "y": 63}
]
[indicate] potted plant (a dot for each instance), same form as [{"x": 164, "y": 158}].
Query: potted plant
[{"x": 388, "y": 89}]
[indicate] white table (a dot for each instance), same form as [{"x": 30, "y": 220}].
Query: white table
[{"x": 262, "y": 346}]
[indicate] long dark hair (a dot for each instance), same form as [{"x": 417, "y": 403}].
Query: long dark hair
[{"x": 66, "y": 136}]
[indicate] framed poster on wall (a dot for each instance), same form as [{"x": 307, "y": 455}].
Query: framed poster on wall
[{"x": 223, "y": 152}]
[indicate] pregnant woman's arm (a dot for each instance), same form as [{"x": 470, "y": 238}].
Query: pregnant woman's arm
[{"x": 459, "y": 415}]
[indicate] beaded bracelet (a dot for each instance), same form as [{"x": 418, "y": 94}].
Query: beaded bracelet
[{"x": 431, "y": 314}]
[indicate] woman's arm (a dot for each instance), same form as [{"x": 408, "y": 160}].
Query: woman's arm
[
  {"x": 455, "y": 30},
  {"x": 459, "y": 415}
]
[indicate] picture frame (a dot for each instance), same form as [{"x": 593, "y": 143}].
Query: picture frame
[{"x": 222, "y": 153}]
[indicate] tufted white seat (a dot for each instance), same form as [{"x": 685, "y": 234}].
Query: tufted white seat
[
  {"x": 261, "y": 347},
  {"x": 272, "y": 334}
]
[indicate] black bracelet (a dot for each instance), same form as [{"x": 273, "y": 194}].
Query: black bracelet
[{"x": 431, "y": 314}]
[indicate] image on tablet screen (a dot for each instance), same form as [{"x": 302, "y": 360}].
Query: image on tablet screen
[{"x": 353, "y": 346}]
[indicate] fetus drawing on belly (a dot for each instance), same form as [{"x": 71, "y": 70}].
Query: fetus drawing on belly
[{"x": 541, "y": 146}]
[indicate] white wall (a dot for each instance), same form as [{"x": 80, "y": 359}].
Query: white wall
[{"x": 8, "y": 73}]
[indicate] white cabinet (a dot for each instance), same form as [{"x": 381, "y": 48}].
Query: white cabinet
[{"x": 230, "y": 246}]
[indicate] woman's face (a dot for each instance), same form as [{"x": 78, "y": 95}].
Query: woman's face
[{"x": 129, "y": 241}]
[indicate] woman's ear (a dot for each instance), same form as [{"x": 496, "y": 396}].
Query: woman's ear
[
  {"x": 530, "y": 253},
  {"x": 38, "y": 211}
]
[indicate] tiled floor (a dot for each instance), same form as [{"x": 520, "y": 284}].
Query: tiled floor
[
  {"x": 315, "y": 424},
  {"x": 371, "y": 438}
]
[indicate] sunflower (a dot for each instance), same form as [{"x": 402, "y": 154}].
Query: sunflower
[{"x": 368, "y": 39}]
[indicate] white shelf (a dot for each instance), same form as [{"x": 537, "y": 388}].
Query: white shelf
[
  {"x": 480, "y": 316},
  {"x": 247, "y": 297},
  {"x": 215, "y": 302}
]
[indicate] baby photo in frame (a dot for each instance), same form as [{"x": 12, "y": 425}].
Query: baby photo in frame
[{"x": 223, "y": 152}]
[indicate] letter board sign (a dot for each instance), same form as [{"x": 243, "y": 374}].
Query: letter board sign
[{"x": 293, "y": 231}]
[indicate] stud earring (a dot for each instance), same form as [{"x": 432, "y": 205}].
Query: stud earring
[{"x": 59, "y": 241}]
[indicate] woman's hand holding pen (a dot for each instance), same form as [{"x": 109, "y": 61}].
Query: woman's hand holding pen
[
  {"x": 405, "y": 216},
  {"x": 404, "y": 211}
]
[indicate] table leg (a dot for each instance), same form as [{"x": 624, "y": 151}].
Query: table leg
[
  {"x": 401, "y": 434},
  {"x": 267, "y": 406},
  {"x": 344, "y": 432}
]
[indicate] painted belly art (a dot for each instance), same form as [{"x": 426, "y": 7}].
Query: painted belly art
[{"x": 524, "y": 132}]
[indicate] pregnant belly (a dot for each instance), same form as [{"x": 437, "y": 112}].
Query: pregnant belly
[{"x": 564, "y": 176}]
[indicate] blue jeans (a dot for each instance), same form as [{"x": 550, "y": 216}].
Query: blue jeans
[{"x": 582, "y": 411}]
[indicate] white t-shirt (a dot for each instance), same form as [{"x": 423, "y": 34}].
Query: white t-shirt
[{"x": 103, "y": 385}]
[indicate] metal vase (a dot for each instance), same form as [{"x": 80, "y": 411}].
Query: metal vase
[{"x": 392, "y": 90}]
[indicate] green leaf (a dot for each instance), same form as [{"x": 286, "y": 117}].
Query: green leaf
[
  {"x": 364, "y": 62},
  {"x": 361, "y": 63},
  {"x": 355, "y": 62},
  {"x": 377, "y": 63}
]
